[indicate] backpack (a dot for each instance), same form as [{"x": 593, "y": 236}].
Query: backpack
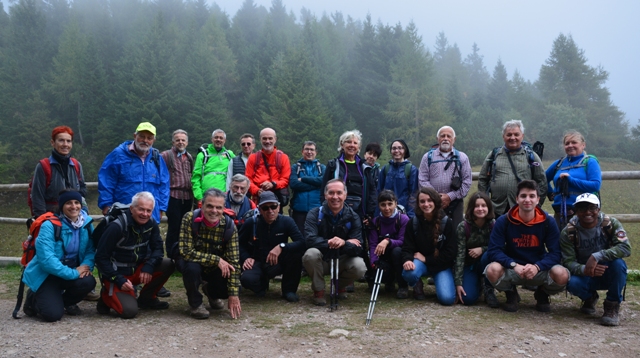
[
  {"x": 171, "y": 164},
  {"x": 467, "y": 228},
  {"x": 528, "y": 149},
  {"x": 239, "y": 221},
  {"x": 606, "y": 226},
  {"x": 407, "y": 170},
  {"x": 46, "y": 168},
  {"x": 116, "y": 211},
  {"x": 583, "y": 163}
]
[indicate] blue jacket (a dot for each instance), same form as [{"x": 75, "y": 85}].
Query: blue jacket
[
  {"x": 306, "y": 191},
  {"x": 123, "y": 174},
  {"x": 396, "y": 181},
  {"x": 582, "y": 178},
  {"x": 536, "y": 242},
  {"x": 49, "y": 254}
]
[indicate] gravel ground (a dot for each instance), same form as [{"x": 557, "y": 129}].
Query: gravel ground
[{"x": 400, "y": 328}]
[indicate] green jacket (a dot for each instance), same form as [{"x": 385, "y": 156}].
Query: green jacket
[
  {"x": 214, "y": 173},
  {"x": 611, "y": 243},
  {"x": 478, "y": 237}
]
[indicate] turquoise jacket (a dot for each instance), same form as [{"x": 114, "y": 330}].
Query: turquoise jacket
[{"x": 49, "y": 253}]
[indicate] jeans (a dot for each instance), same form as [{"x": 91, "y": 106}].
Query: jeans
[
  {"x": 613, "y": 280},
  {"x": 445, "y": 288},
  {"x": 471, "y": 277}
]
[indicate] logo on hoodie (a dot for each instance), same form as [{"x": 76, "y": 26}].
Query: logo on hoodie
[{"x": 526, "y": 240}]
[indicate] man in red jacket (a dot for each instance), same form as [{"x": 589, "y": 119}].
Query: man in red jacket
[{"x": 269, "y": 169}]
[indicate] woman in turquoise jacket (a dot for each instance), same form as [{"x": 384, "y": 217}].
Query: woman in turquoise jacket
[{"x": 60, "y": 274}]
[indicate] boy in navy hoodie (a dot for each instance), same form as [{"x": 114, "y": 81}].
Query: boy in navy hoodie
[{"x": 524, "y": 249}]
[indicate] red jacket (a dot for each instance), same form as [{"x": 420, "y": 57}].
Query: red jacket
[{"x": 256, "y": 170}]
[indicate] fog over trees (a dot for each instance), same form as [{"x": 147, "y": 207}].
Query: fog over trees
[{"x": 103, "y": 66}]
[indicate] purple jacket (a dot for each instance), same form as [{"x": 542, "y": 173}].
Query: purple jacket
[{"x": 395, "y": 226}]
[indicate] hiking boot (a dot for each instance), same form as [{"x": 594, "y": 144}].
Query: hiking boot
[
  {"x": 418, "y": 291},
  {"x": 73, "y": 310},
  {"x": 92, "y": 296},
  {"x": 430, "y": 281},
  {"x": 199, "y": 312},
  {"x": 543, "y": 304},
  {"x": 351, "y": 288},
  {"x": 154, "y": 304},
  {"x": 318, "y": 298},
  {"x": 403, "y": 292},
  {"x": 102, "y": 307},
  {"x": 291, "y": 297},
  {"x": 216, "y": 304},
  {"x": 490, "y": 297},
  {"x": 511, "y": 305},
  {"x": 28, "y": 308},
  {"x": 342, "y": 294},
  {"x": 610, "y": 316},
  {"x": 163, "y": 292},
  {"x": 589, "y": 305}
]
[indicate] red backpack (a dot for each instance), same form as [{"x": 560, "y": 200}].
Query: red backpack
[{"x": 46, "y": 167}]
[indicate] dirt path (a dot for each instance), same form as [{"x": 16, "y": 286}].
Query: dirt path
[{"x": 404, "y": 328}]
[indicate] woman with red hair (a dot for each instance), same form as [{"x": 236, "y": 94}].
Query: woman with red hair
[{"x": 57, "y": 172}]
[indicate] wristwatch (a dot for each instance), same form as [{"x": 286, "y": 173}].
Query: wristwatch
[
  {"x": 513, "y": 264},
  {"x": 282, "y": 245}
]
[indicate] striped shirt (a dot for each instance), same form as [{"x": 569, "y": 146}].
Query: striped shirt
[
  {"x": 181, "y": 174},
  {"x": 436, "y": 177}
]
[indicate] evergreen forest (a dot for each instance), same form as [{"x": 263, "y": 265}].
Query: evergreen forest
[{"x": 103, "y": 66}]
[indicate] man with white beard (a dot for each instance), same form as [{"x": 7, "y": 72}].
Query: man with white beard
[
  {"x": 448, "y": 171},
  {"x": 237, "y": 203}
]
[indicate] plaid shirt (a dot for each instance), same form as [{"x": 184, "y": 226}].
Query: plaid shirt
[
  {"x": 436, "y": 177},
  {"x": 209, "y": 247},
  {"x": 181, "y": 174}
]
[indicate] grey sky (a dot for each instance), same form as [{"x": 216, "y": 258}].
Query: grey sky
[{"x": 519, "y": 32}]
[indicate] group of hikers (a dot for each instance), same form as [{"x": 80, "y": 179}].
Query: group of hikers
[{"x": 393, "y": 224}]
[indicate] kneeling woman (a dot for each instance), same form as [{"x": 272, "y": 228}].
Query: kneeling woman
[
  {"x": 59, "y": 275},
  {"x": 385, "y": 242},
  {"x": 429, "y": 248},
  {"x": 473, "y": 238}
]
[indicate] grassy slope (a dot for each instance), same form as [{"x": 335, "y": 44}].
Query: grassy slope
[{"x": 619, "y": 197}]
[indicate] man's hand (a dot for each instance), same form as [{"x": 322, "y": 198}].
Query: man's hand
[
  {"x": 226, "y": 268},
  {"x": 127, "y": 286},
  {"x": 354, "y": 242},
  {"x": 266, "y": 185},
  {"x": 335, "y": 243},
  {"x": 382, "y": 247},
  {"x": 272, "y": 258},
  {"x": 592, "y": 269},
  {"x": 248, "y": 264},
  {"x": 234, "y": 306},
  {"x": 529, "y": 271},
  {"x": 475, "y": 252},
  {"x": 105, "y": 210},
  {"x": 519, "y": 269},
  {"x": 419, "y": 256},
  {"x": 145, "y": 277},
  {"x": 446, "y": 200}
]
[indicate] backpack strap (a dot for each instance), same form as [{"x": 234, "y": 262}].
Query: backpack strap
[
  {"x": 299, "y": 168},
  {"x": 467, "y": 229},
  {"x": 155, "y": 158},
  {"x": 46, "y": 168},
  {"x": 319, "y": 166}
]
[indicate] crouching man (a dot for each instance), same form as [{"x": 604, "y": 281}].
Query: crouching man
[
  {"x": 209, "y": 252},
  {"x": 593, "y": 247},
  {"x": 130, "y": 252},
  {"x": 333, "y": 226},
  {"x": 524, "y": 249},
  {"x": 265, "y": 251}
]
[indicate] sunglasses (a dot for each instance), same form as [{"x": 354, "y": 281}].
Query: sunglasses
[
  {"x": 584, "y": 209},
  {"x": 245, "y": 144},
  {"x": 272, "y": 207}
]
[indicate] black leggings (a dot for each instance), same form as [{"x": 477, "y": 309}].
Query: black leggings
[{"x": 56, "y": 293}]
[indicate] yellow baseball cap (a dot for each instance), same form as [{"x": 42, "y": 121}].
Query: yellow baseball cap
[{"x": 146, "y": 126}]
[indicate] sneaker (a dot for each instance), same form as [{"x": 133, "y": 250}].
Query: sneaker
[
  {"x": 199, "y": 312},
  {"x": 28, "y": 308},
  {"x": 73, "y": 310},
  {"x": 342, "y": 294},
  {"x": 490, "y": 297},
  {"x": 611, "y": 313},
  {"x": 589, "y": 305},
  {"x": 291, "y": 297},
  {"x": 318, "y": 298},
  {"x": 351, "y": 288},
  {"x": 418, "y": 291},
  {"x": 511, "y": 305},
  {"x": 92, "y": 296},
  {"x": 163, "y": 292},
  {"x": 543, "y": 304},
  {"x": 154, "y": 304},
  {"x": 403, "y": 292},
  {"x": 102, "y": 307}
]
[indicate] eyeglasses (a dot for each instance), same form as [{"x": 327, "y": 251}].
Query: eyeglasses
[
  {"x": 583, "y": 209},
  {"x": 309, "y": 150},
  {"x": 397, "y": 148},
  {"x": 272, "y": 207},
  {"x": 245, "y": 144}
]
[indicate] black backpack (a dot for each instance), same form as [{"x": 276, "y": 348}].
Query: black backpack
[{"x": 116, "y": 211}]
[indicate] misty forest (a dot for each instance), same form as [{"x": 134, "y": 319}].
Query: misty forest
[{"x": 103, "y": 66}]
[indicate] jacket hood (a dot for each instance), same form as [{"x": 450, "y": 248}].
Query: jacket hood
[
  {"x": 514, "y": 216},
  {"x": 407, "y": 154}
]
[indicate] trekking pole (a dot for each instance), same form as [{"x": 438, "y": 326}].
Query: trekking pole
[
  {"x": 374, "y": 295},
  {"x": 335, "y": 254}
]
